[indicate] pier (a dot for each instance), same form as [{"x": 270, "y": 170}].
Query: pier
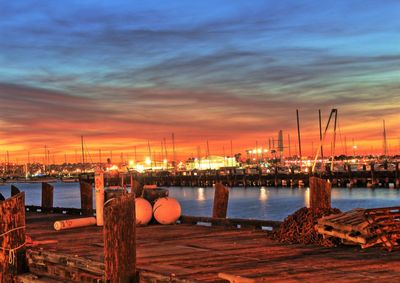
[{"x": 256, "y": 178}]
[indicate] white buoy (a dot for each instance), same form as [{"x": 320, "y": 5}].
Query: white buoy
[
  {"x": 143, "y": 211},
  {"x": 166, "y": 210}
]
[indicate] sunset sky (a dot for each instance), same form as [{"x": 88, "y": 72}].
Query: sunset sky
[{"x": 121, "y": 73}]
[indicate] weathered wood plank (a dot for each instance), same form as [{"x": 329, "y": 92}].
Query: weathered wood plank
[
  {"x": 47, "y": 196},
  {"x": 120, "y": 239},
  {"x": 86, "y": 197},
  {"x": 221, "y": 197},
  {"x": 12, "y": 237},
  {"x": 320, "y": 193}
]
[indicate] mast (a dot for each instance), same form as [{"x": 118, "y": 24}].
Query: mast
[
  {"x": 298, "y": 134},
  {"x": 290, "y": 152},
  {"x": 83, "y": 152},
  {"x": 320, "y": 135},
  {"x": 384, "y": 139},
  {"x": 173, "y": 150}
]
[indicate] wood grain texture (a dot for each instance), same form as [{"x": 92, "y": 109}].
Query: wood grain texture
[
  {"x": 47, "y": 195},
  {"x": 320, "y": 193},
  {"x": 221, "y": 198},
  {"x": 86, "y": 197},
  {"x": 120, "y": 239},
  {"x": 195, "y": 253},
  {"x": 12, "y": 216}
]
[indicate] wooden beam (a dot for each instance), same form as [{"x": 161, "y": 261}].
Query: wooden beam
[
  {"x": 14, "y": 190},
  {"x": 47, "y": 196},
  {"x": 86, "y": 197},
  {"x": 221, "y": 197},
  {"x": 136, "y": 187},
  {"x": 120, "y": 239},
  {"x": 12, "y": 231},
  {"x": 320, "y": 193}
]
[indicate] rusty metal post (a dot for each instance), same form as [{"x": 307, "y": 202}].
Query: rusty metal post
[
  {"x": 221, "y": 198},
  {"x": 120, "y": 239}
]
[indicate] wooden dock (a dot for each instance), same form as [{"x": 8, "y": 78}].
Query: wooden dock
[{"x": 198, "y": 253}]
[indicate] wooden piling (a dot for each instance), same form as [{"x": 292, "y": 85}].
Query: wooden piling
[
  {"x": 12, "y": 237},
  {"x": 120, "y": 239},
  {"x": 320, "y": 193},
  {"x": 136, "y": 188},
  {"x": 14, "y": 190},
  {"x": 47, "y": 196},
  {"x": 2, "y": 198},
  {"x": 86, "y": 197},
  {"x": 221, "y": 198}
]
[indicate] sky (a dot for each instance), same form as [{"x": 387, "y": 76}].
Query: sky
[{"x": 127, "y": 73}]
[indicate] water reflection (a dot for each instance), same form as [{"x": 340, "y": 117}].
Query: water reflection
[
  {"x": 263, "y": 194},
  {"x": 307, "y": 197},
  {"x": 261, "y": 203},
  {"x": 200, "y": 194}
]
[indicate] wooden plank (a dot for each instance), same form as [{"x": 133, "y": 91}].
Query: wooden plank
[
  {"x": 12, "y": 237},
  {"x": 231, "y": 222},
  {"x": 120, "y": 239},
  {"x": 221, "y": 197},
  {"x": 47, "y": 196},
  {"x": 86, "y": 197},
  {"x": 320, "y": 193}
]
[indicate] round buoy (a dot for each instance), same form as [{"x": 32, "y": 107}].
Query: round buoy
[
  {"x": 166, "y": 210},
  {"x": 143, "y": 211}
]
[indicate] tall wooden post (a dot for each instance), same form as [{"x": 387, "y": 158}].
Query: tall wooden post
[
  {"x": 320, "y": 193},
  {"x": 136, "y": 188},
  {"x": 47, "y": 196},
  {"x": 221, "y": 198},
  {"x": 86, "y": 197},
  {"x": 12, "y": 229},
  {"x": 14, "y": 190},
  {"x": 120, "y": 239}
]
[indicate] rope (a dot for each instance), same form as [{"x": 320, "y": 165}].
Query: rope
[{"x": 12, "y": 251}]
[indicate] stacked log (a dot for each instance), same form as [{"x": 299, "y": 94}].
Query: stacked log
[{"x": 298, "y": 228}]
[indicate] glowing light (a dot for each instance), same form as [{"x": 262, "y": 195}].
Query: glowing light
[
  {"x": 165, "y": 161},
  {"x": 131, "y": 162},
  {"x": 147, "y": 161}
]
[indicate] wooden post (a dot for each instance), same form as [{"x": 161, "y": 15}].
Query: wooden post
[
  {"x": 86, "y": 197},
  {"x": 99, "y": 186},
  {"x": 136, "y": 188},
  {"x": 14, "y": 190},
  {"x": 320, "y": 193},
  {"x": 120, "y": 239},
  {"x": 47, "y": 196},
  {"x": 12, "y": 229},
  {"x": 2, "y": 198},
  {"x": 221, "y": 198}
]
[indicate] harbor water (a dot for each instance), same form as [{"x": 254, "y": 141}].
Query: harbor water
[{"x": 259, "y": 203}]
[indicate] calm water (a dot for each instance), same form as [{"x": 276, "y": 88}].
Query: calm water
[{"x": 260, "y": 203}]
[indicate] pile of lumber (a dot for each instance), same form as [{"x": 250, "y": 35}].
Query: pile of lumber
[
  {"x": 298, "y": 228},
  {"x": 366, "y": 227}
]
